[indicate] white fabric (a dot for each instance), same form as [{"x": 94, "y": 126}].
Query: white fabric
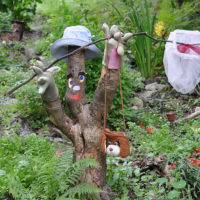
[{"x": 182, "y": 69}]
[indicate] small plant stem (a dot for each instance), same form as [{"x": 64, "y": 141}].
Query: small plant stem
[{"x": 83, "y": 47}]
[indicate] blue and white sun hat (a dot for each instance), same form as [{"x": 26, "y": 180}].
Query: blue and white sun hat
[{"x": 74, "y": 36}]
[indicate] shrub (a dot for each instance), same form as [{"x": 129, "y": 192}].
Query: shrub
[
  {"x": 19, "y": 9},
  {"x": 5, "y": 19},
  {"x": 142, "y": 20},
  {"x": 31, "y": 169}
]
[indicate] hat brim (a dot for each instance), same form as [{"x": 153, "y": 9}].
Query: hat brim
[{"x": 60, "y": 48}]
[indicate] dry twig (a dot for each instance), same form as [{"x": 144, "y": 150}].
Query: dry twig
[{"x": 193, "y": 115}]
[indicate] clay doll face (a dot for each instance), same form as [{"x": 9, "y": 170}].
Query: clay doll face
[
  {"x": 112, "y": 148},
  {"x": 76, "y": 85}
]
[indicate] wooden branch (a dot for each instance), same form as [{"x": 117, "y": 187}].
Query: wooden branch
[
  {"x": 53, "y": 63},
  {"x": 193, "y": 115},
  {"x": 83, "y": 47},
  {"x": 59, "y": 118}
]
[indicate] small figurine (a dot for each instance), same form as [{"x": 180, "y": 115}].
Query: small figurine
[{"x": 114, "y": 143}]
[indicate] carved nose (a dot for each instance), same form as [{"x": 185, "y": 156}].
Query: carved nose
[{"x": 111, "y": 149}]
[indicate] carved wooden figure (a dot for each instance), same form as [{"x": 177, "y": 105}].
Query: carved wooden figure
[{"x": 86, "y": 126}]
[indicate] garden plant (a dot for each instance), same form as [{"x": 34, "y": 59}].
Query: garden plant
[{"x": 38, "y": 161}]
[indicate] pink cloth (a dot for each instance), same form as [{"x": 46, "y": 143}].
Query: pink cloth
[
  {"x": 115, "y": 60},
  {"x": 185, "y": 48}
]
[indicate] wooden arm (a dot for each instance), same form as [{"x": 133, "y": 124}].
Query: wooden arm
[{"x": 59, "y": 118}]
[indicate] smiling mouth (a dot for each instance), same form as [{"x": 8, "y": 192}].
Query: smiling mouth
[{"x": 75, "y": 96}]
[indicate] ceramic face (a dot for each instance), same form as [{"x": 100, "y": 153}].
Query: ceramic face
[{"x": 75, "y": 85}]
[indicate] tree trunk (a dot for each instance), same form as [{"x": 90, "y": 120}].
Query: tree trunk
[{"x": 86, "y": 127}]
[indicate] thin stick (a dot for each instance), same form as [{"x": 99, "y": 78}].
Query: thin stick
[
  {"x": 83, "y": 47},
  {"x": 158, "y": 40}
]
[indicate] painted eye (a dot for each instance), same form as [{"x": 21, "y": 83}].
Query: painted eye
[
  {"x": 109, "y": 142},
  {"x": 70, "y": 82},
  {"x": 81, "y": 77},
  {"x": 116, "y": 143}
]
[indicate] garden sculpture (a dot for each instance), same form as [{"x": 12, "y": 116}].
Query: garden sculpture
[{"x": 85, "y": 127}]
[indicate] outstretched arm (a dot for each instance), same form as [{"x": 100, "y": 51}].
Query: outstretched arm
[
  {"x": 112, "y": 62},
  {"x": 50, "y": 97}
]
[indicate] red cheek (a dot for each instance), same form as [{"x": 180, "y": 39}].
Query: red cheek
[{"x": 75, "y": 96}]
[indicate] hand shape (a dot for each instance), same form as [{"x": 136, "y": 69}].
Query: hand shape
[
  {"x": 46, "y": 84},
  {"x": 112, "y": 43}
]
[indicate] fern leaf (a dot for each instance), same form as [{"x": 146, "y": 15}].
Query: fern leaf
[
  {"x": 64, "y": 198},
  {"x": 83, "y": 190},
  {"x": 77, "y": 169}
]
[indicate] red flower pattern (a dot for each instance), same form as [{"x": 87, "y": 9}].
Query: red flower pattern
[
  {"x": 149, "y": 130},
  {"x": 141, "y": 124},
  {"x": 190, "y": 157},
  {"x": 196, "y": 150},
  {"x": 194, "y": 162},
  {"x": 172, "y": 167}
]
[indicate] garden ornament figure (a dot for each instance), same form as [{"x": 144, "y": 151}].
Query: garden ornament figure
[
  {"x": 115, "y": 48},
  {"x": 115, "y": 34},
  {"x": 85, "y": 125}
]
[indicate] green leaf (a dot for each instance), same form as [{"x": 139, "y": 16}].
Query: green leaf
[
  {"x": 161, "y": 180},
  {"x": 179, "y": 184},
  {"x": 173, "y": 194},
  {"x": 2, "y": 172},
  {"x": 137, "y": 172}
]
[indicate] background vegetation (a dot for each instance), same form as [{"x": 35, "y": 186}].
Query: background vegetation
[{"x": 30, "y": 167}]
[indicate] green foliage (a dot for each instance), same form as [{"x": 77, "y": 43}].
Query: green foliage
[
  {"x": 30, "y": 169},
  {"x": 5, "y": 22},
  {"x": 19, "y": 9},
  {"x": 4, "y": 54},
  {"x": 142, "y": 21},
  {"x": 29, "y": 104},
  {"x": 131, "y": 182},
  {"x": 189, "y": 175},
  {"x": 186, "y": 17},
  {"x": 10, "y": 54},
  {"x": 164, "y": 138},
  {"x": 118, "y": 175}
]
